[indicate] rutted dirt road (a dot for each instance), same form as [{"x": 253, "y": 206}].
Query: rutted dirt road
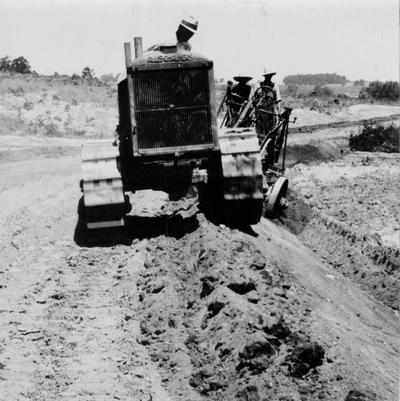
[
  {"x": 205, "y": 312},
  {"x": 67, "y": 321}
]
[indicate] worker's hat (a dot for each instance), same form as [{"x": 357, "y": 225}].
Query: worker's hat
[
  {"x": 268, "y": 74},
  {"x": 242, "y": 79},
  {"x": 186, "y": 29}
]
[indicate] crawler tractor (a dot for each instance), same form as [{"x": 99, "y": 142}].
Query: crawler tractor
[{"x": 168, "y": 139}]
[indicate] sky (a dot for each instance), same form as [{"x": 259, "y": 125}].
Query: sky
[{"x": 355, "y": 38}]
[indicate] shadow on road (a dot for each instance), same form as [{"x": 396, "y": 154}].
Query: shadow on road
[
  {"x": 136, "y": 227},
  {"x": 295, "y": 218}
]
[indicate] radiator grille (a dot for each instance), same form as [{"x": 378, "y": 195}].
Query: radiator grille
[
  {"x": 170, "y": 128},
  {"x": 172, "y": 108}
]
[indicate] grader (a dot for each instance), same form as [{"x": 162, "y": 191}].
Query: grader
[{"x": 168, "y": 139}]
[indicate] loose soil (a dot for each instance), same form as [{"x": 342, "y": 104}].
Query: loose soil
[
  {"x": 346, "y": 208},
  {"x": 175, "y": 312}
]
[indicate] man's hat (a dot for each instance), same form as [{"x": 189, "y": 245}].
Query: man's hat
[
  {"x": 269, "y": 74},
  {"x": 242, "y": 79},
  {"x": 186, "y": 29}
]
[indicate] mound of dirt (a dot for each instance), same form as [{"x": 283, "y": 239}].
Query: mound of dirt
[{"x": 222, "y": 322}]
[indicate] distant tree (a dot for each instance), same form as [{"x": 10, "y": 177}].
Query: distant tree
[
  {"x": 359, "y": 82},
  {"x": 75, "y": 78},
  {"x": 88, "y": 73},
  {"x": 56, "y": 74},
  {"x": 20, "y": 65},
  {"x": 321, "y": 91},
  {"x": 389, "y": 90},
  {"x": 5, "y": 63},
  {"x": 108, "y": 79},
  {"x": 315, "y": 79},
  {"x": 292, "y": 90}
]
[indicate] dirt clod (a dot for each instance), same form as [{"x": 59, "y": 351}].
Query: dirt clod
[
  {"x": 355, "y": 395},
  {"x": 267, "y": 277},
  {"x": 249, "y": 393},
  {"x": 208, "y": 285},
  {"x": 242, "y": 288},
  {"x": 280, "y": 329},
  {"x": 305, "y": 357},
  {"x": 214, "y": 308},
  {"x": 256, "y": 356}
]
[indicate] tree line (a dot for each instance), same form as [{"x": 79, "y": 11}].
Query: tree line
[
  {"x": 315, "y": 79},
  {"x": 22, "y": 66}
]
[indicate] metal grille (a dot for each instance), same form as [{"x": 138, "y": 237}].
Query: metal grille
[
  {"x": 170, "y": 128},
  {"x": 162, "y": 88},
  {"x": 172, "y": 108}
]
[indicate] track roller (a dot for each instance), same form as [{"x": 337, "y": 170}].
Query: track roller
[{"x": 242, "y": 176}]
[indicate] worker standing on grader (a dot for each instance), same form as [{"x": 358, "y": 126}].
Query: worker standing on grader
[
  {"x": 271, "y": 87},
  {"x": 237, "y": 95},
  {"x": 272, "y": 93},
  {"x": 260, "y": 107}
]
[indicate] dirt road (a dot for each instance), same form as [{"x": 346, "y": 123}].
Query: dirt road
[{"x": 206, "y": 312}]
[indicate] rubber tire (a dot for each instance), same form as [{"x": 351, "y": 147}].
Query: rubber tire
[{"x": 273, "y": 204}]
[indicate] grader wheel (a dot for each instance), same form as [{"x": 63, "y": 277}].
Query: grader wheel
[{"x": 276, "y": 200}]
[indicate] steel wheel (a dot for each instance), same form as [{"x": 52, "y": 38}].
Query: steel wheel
[{"x": 276, "y": 200}]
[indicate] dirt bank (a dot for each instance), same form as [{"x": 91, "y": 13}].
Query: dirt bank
[
  {"x": 234, "y": 316},
  {"x": 345, "y": 207}
]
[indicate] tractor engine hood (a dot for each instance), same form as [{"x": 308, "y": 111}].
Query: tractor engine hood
[{"x": 167, "y": 55}]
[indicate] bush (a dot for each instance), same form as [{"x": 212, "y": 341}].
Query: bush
[
  {"x": 376, "y": 139},
  {"x": 359, "y": 82},
  {"x": 389, "y": 90},
  {"x": 21, "y": 65},
  {"x": 51, "y": 130},
  {"x": 292, "y": 90},
  {"x": 321, "y": 91},
  {"x": 109, "y": 79},
  {"x": 5, "y": 63},
  {"x": 87, "y": 73},
  {"x": 19, "y": 91}
]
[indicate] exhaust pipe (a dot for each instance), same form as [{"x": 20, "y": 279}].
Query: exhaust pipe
[{"x": 138, "y": 47}]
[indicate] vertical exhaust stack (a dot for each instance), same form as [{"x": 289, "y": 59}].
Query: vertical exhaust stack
[
  {"x": 186, "y": 30},
  {"x": 138, "y": 47},
  {"x": 128, "y": 55}
]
